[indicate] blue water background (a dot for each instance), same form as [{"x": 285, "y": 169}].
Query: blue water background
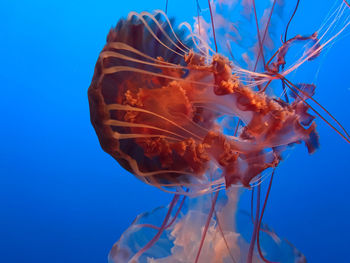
[{"x": 63, "y": 200}]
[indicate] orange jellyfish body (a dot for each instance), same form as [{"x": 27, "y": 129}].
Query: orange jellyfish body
[{"x": 155, "y": 100}]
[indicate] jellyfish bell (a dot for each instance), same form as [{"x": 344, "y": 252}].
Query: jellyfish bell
[{"x": 155, "y": 99}]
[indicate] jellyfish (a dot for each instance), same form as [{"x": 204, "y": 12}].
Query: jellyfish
[{"x": 203, "y": 125}]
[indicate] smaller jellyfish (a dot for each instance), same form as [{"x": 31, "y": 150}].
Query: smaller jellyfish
[
  {"x": 184, "y": 118},
  {"x": 227, "y": 236}
]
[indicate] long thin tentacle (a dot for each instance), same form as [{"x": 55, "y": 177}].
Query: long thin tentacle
[
  {"x": 290, "y": 20},
  {"x": 260, "y": 53},
  {"x": 256, "y": 222},
  {"x": 284, "y": 41},
  {"x": 159, "y": 233},
  {"x": 212, "y": 24},
  {"x": 261, "y": 217},
  {"x": 205, "y": 230},
  {"x": 346, "y": 2},
  {"x": 258, "y": 33},
  {"x": 224, "y": 238}
]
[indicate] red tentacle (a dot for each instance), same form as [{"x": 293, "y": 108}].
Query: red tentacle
[
  {"x": 210, "y": 215},
  {"x": 260, "y": 220},
  {"x": 212, "y": 24},
  {"x": 256, "y": 222}
]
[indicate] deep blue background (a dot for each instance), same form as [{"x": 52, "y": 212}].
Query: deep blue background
[{"x": 62, "y": 199}]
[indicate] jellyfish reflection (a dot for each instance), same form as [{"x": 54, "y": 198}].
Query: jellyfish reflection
[{"x": 186, "y": 119}]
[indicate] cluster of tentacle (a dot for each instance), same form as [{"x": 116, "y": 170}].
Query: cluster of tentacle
[{"x": 155, "y": 100}]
